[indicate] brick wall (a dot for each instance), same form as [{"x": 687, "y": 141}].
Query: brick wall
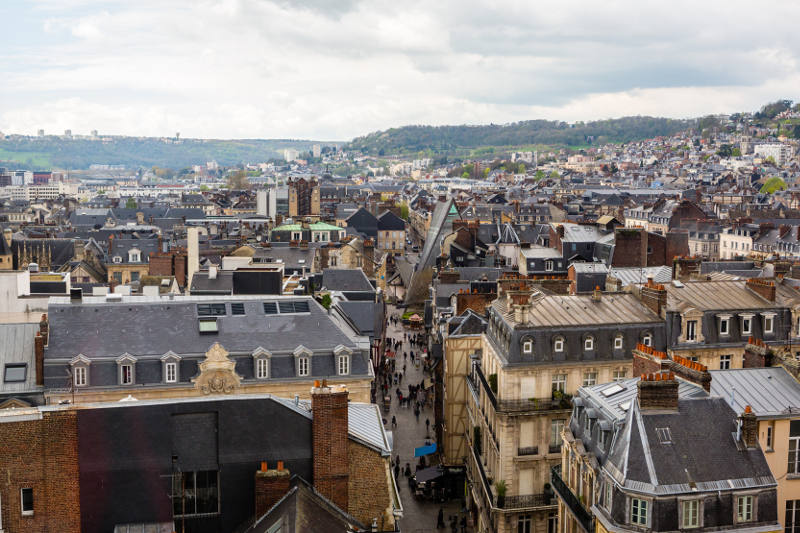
[
  {"x": 656, "y": 249},
  {"x": 475, "y": 301},
  {"x": 369, "y": 486},
  {"x": 42, "y": 455},
  {"x": 329, "y": 435},
  {"x": 270, "y": 486},
  {"x": 630, "y": 247},
  {"x": 642, "y": 365},
  {"x": 657, "y": 392},
  {"x": 677, "y": 245}
]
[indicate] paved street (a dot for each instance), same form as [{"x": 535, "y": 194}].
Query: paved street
[{"x": 419, "y": 515}]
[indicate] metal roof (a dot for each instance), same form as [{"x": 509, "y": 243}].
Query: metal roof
[
  {"x": 715, "y": 295},
  {"x": 771, "y": 392},
  {"x": 582, "y": 310},
  {"x": 634, "y": 275},
  {"x": 17, "y": 346},
  {"x": 616, "y": 403}
]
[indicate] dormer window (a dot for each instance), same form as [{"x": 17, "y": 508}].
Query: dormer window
[
  {"x": 343, "y": 365},
  {"x": 80, "y": 370},
  {"x": 303, "y": 361},
  {"x": 126, "y": 372},
  {"x": 134, "y": 255},
  {"x": 618, "y": 340},
  {"x": 747, "y": 324},
  {"x": 588, "y": 344},
  {"x": 117, "y": 259},
  {"x": 527, "y": 346},
  {"x": 558, "y": 344},
  {"x": 302, "y": 366},
  {"x": 647, "y": 339},
  {"x": 724, "y": 324},
  {"x": 769, "y": 323}
]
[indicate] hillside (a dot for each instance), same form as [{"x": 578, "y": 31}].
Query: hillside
[
  {"x": 543, "y": 132},
  {"x": 54, "y": 152}
]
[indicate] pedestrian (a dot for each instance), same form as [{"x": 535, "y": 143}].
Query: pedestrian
[
  {"x": 404, "y": 367},
  {"x": 440, "y": 519},
  {"x": 401, "y": 377},
  {"x": 394, "y": 421},
  {"x": 427, "y": 424},
  {"x": 396, "y": 471},
  {"x": 416, "y": 413}
]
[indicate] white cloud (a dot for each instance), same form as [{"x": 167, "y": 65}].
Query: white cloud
[{"x": 334, "y": 70}]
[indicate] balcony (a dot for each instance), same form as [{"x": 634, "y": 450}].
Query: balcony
[
  {"x": 570, "y": 501},
  {"x": 528, "y": 450},
  {"x": 476, "y": 380},
  {"x": 527, "y": 501}
]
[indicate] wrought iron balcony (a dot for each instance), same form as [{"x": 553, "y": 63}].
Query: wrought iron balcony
[
  {"x": 527, "y": 501},
  {"x": 478, "y": 381},
  {"x": 570, "y": 501}
]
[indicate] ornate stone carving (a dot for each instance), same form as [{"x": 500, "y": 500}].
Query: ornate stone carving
[{"x": 217, "y": 372}]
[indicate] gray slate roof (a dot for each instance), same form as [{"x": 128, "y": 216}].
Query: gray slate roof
[
  {"x": 345, "y": 279},
  {"x": 16, "y": 346},
  {"x": 771, "y": 392}
]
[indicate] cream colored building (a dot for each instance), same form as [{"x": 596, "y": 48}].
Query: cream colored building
[
  {"x": 736, "y": 242},
  {"x": 538, "y": 350}
]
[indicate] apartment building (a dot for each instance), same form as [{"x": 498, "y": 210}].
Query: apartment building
[{"x": 537, "y": 351}]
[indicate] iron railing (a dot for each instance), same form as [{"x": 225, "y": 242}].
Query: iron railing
[{"x": 571, "y": 502}]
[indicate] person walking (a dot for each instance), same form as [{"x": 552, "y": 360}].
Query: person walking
[
  {"x": 394, "y": 421},
  {"x": 440, "y": 519},
  {"x": 427, "y": 425},
  {"x": 416, "y": 413}
]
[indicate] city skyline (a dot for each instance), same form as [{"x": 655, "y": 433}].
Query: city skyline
[{"x": 250, "y": 69}]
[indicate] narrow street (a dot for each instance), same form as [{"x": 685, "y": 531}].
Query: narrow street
[{"x": 419, "y": 515}]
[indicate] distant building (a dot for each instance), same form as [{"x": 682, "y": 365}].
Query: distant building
[
  {"x": 316, "y": 150},
  {"x": 304, "y": 198},
  {"x": 780, "y": 152},
  {"x": 290, "y": 154}
]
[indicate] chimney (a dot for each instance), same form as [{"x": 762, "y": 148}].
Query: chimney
[
  {"x": 654, "y": 296},
  {"x": 38, "y": 346},
  {"x": 110, "y": 244},
  {"x": 75, "y": 296},
  {"x": 44, "y": 328},
  {"x": 749, "y": 428},
  {"x": 597, "y": 294},
  {"x": 449, "y": 276},
  {"x": 658, "y": 391},
  {"x": 764, "y": 288},
  {"x": 193, "y": 254},
  {"x": 212, "y": 272},
  {"x": 329, "y": 435},
  {"x": 270, "y": 487}
]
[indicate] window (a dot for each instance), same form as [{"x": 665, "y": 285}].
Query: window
[
  {"x": 691, "y": 330},
  {"x": 171, "y": 372},
  {"x": 560, "y": 383},
  {"x": 237, "y": 308},
  {"x": 770, "y": 429},
  {"x": 211, "y": 309},
  {"x": 556, "y": 426},
  {"x": 270, "y": 308},
  {"x": 126, "y": 374},
  {"x": 724, "y": 362},
  {"x": 548, "y": 266},
  {"x": 552, "y": 523},
  {"x": 293, "y": 307},
  {"x": 588, "y": 344},
  {"x": 609, "y": 493},
  {"x": 792, "y": 521},
  {"x": 527, "y": 346},
  {"x": 15, "y": 372},
  {"x": 79, "y": 376},
  {"x": 26, "y": 501},
  {"x": 647, "y": 339},
  {"x": 620, "y": 375},
  {"x": 769, "y": 322},
  {"x": 302, "y": 366},
  {"x": 558, "y": 345},
  {"x": 618, "y": 340},
  {"x": 195, "y": 493},
  {"x": 262, "y": 368},
  {"x": 638, "y": 511},
  {"x": 589, "y": 379},
  {"x": 724, "y": 326},
  {"x": 794, "y": 447},
  {"x": 744, "y": 508},
  {"x": 344, "y": 365},
  {"x": 118, "y": 277},
  {"x": 524, "y": 524},
  {"x": 208, "y": 325},
  {"x": 747, "y": 326}
]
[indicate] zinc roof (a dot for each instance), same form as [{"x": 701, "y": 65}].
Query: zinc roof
[
  {"x": 715, "y": 295},
  {"x": 582, "y": 310},
  {"x": 771, "y": 392},
  {"x": 17, "y": 347}
]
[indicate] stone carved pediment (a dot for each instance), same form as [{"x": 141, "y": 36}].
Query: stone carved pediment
[{"x": 217, "y": 372}]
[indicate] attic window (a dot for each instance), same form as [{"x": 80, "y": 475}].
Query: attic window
[
  {"x": 612, "y": 390},
  {"x": 271, "y": 308},
  {"x": 211, "y": 309},
  {"x": 237, "y": 308},
  {"x": 664, "y": 435},
  {"x": 117, "y": 259},
  {"x": 15, "y": 372},
  {"x": 208, "y": 325},
  {"x": 300, "y": 306}
]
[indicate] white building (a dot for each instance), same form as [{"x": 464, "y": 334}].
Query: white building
[
  {"x": 290, "y": 154},
  {"x": 780, "y": 152},
  {"x": 316, "y": 150},
  {"x": 736, "y": 242}
]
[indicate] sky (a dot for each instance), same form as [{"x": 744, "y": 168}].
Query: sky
[{"x": 336, "y": 69}]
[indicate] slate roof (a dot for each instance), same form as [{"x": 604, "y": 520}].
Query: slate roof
[
  {"x": 468, "y": 323},
  {"x": 17, "y": 346},
  {"x": 388, "y": 221},
  {"x": 771, "y": 392},
  {"x": 365, "y": 316},
  {"x": 223, "y": 284},
  {"x": 144, "y": 326},
  {"x": 477, "y": 273},
  {"x": 345, "y": 279}
]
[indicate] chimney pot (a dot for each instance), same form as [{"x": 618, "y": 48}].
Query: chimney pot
[{"x": 263, "y": 466}]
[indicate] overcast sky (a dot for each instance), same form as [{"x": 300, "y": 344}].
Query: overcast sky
[{"x": 332, "y": 70}]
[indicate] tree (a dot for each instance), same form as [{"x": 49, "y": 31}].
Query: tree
[
  {"x": 726, "y": 150},
  {"x": 486, "y": 172},
  {"x": 465, "y": 175},
  {"x": 238, "y": 180},
  {"x": 555, "y": 175},
  {"x": 130, "y": 204},
  {"x": 204, "y": 188},
  {"x": 521, "y": 168},
  {"x": 736, "y": 152},
  {"x": 326, "y": 301},
  {"x": 773, "y": 184},
  {"x": 539, "y": 174}
]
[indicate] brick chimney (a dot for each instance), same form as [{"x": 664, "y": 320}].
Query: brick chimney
[
  {"x": 749, "y": 428},
  {"x": 38, "y": 348},
  {"x": 44, "y": 328},
  {"x": 764, "y": 288},
  {"x": 110, "y": 244},
  {"x": 330, "y": 445},
  {"x": 658, "y": 391},
  {"x": 756, "y": 353},
  {"x": 654, "y": 296},
  {"x": 270, "y": 487}
]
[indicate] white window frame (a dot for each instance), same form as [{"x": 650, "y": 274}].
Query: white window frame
[
  {"x": 647, "y": 339},
  {"x": 691, "y": 330},
  {"x": 694, "y": 511},
  {"x": 769, "y": 319},
  {"x": 548, "y": 265},
  {"x": 620, "y": 375},
  {"x": 726, "y": 359},
  {"x": 262, "y": 368},
  {"x": 303, "y": 366},
  {"x": 589, "y": 378},
  {"x": 343, "y": 365},
  {"x": 724, "y": 320},
  {"x": 558, "y": 345},
  {"x": 747, "y": 320},
  {"x": 170, "y": 367},
  {"x": 745, "y": 503},
  {"x": 642, "y": 516},
  {"x": 21, "y": 502},
  {"x": 527, "y": 346},
  {"x": 770, "y": 432},
  {"x": 588, "y": 344},
  {"x": 122, "y": 378},
  {"x": 619, "y": 341},
  {"x": 559, "y": 383},
  {"x": 80, "y": 376}
]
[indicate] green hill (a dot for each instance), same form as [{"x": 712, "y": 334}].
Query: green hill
[
  {"x": 54, "y": 152},
  {"x": 531, "y": 132}
]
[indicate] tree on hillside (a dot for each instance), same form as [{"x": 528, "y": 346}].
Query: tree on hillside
[{"x": 237, "y": 180}]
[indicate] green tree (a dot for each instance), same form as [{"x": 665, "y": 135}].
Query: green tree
[
  {"x": 465, "y": 175},
  {"x": 237, "y": 180},
  {"x": 555, "y": 175},
  {"x": 404, "y": 211},
  {"x": 486, "y": 172},
  {"x": 736, "y": 152},
  {"x": 773, "y": 184},
  {"x": 204, "y": 188},
  {"x": 130, "y": 204},
  {"x": 521, "y": 168},
  {"x": 726, "y": 150},
  {"x": 326, "y": 301},
  {"x": 539, "y": 174}
]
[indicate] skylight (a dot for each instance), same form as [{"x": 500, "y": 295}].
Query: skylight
[
  {"x": 625, "y": 406},
  {"x": 612, "y": 390}
]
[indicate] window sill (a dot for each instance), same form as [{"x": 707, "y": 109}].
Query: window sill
[
  {"x": 793, "y": 476},
  {"x": 27, "y": 513}
]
